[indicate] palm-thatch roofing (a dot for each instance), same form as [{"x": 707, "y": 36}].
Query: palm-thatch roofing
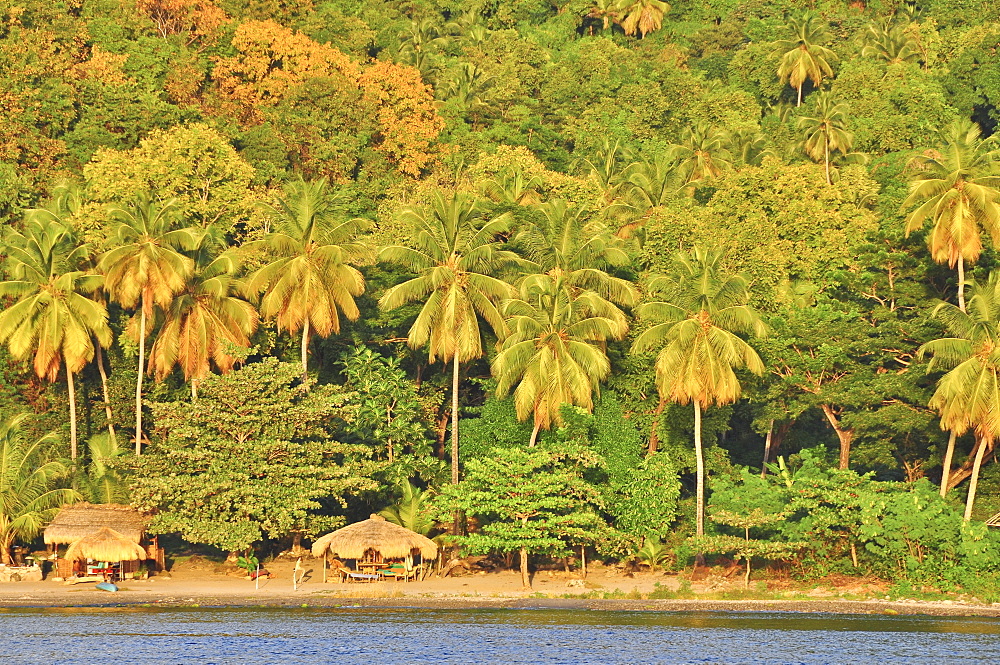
[
  {"x": 82, "y": 519},
  {"x": 388, "y": 539},
  {"x": 105, "y": 544}
]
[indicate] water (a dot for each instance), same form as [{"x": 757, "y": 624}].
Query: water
[{"x": 383, "y": 636}]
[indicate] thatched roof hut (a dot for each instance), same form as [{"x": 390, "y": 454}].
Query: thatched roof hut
[
  {"x": 388, "y": 539},
  {"x": 83, "y": 519},
  {"x": 105, "y": 544}
]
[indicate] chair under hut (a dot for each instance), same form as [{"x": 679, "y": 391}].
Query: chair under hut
[
  {"x": 106, "y": 545},
  {"x": 80, "y": 520},
  {"x": 375, "y": 540}
]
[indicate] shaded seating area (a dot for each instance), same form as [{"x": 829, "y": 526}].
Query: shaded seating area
[
  {"x": 381, "y": 550},
  {"x": 109, "y": 549},
  {"x": 78, "y": 521}
]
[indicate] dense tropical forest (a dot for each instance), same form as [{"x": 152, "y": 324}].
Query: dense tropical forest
[{"x": 625, "y": 279}]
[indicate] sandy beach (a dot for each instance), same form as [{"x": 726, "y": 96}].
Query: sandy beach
[{"x": 200, "y": 583}]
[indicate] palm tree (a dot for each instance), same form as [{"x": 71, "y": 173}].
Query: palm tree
[
  {"x": 459, "y": 263},
  {"x": 702, "y": 154},
  {"x": 204, "y": 323},
  {"x": 310, "y": 282},
  {"x": 28, "y": 494},
  {"x": 556, "y": 352},
  {"x": 641, "y": 16},
  {"x": 957, "y": 187},
  {"x": 802, "y": 55},
  {"x": 606, "y": 11},
  {"x": 412, "y": 511},
  {"x": 564, "y": 242},
  {"x": 649, "y": 184},
  {"x": 697, "y": 328},
  {"x": 146, "y": 268},
  {"x": 891, "y": 43},
  {"x": 52, "y": 318},
  {"x": 968, "y": 396},
  {"x": 99, "y": 483},
  {"x": 826, "y": 131}
]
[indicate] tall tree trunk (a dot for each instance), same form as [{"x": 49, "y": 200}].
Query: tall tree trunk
[
  {"x": 194, "y": 390},
  {"x": 799, "y": 103},
  {"x": 654, "y": 437},
  {"x": 700, "y": 472},
  {"x": 5, "y": 544},
  {"x": 525, "y": 580},
  {"x": 305, "y": 350},
  {"x": 72, "y": 413},
  {"x": 961, "y": 283},
  {"x": 104, "y": 390},
  {"x": 949, "y": 454},
  {"x": 583, "y": 561},
  {"x": 534, "y": 434},
  {"x": 974, "y": 481},
  {"x": 138, "y": 379},
  {"x": 454, "y": 420},
  {"x": 767, "y": 449},
  {"x": 845, "y": 436},
  {"x": 826, "y": 159}
]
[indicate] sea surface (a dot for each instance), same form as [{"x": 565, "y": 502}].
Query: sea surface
[{"x": 377, "y": 636}]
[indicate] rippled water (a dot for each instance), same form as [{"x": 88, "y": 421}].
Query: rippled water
[{"x": 382, "y": 636}]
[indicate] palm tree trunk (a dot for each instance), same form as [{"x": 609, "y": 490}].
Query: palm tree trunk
[
  {"x": 961, "y": 283},
  {"x": 767, "y": 449},
  {"x": 534, "y": 434},
  {"x": 194, "y": 390},
  {"x": 525, "y": 580},
  {"x": 305, "y": 349},
  {"x": 72, "y": 414},
  {"x": 799, "y": 103},
  {"x": 700, "y": 473},
  {"x": 104, "y": 390},
  {"x": 826, "y": 159},
  {"x": 138, "y": 380},
  {"x": 974, "y": 481},
  {"x": 454, "y": 420},
  {"x": 948, "y": 455}
]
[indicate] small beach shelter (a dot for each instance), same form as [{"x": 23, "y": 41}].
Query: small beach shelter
[
  {"x": 79, "y": 520},
  {"x": 374, "y": 535},
  {"x": 105, "y": 544}
]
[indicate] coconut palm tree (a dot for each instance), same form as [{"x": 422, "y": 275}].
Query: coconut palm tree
[
  {"x": 891, "y": 43},
  {"x": 957, "y": 187},
  {"x": 826, "y": 131},
  {"x": 99, "y": 483},
  {"x": 52, "y": 319},
  {"x": 802, "y": 55},
  {"x": 29, "y": 495},
  {"x": 204, "y": 323},
  {"x": 459, "y": 264},
  {"x": 310, "y": 281},
  {"x": 566, "y": 242},
  {"x": 146, "y": 268},
  {"x": 702, "y": 154},
  {"x": 641, "y": 16},
  {"x": 968, "y": 396},
  {"x": 697, "y": 328},
  {"x": 555, "y": 353}
]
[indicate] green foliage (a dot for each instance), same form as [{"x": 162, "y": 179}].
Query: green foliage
[{"x": 255, "y": 456}]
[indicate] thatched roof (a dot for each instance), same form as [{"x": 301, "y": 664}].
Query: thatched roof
[
  {"x": 105, "y": 544},
  {"x": 82, "y": 519},
  {"x": 386, "y": 538}
]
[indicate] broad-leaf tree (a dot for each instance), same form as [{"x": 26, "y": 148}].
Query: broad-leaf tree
[
  {"x": 146, "y": 267},
  {"x": 310, "y": 280},
  {"x": 52, "y": 321},
  {"x": 30, "y": 494},
  {"x": 460, "y": 265},
  {"x": 696, "y": 330}
]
